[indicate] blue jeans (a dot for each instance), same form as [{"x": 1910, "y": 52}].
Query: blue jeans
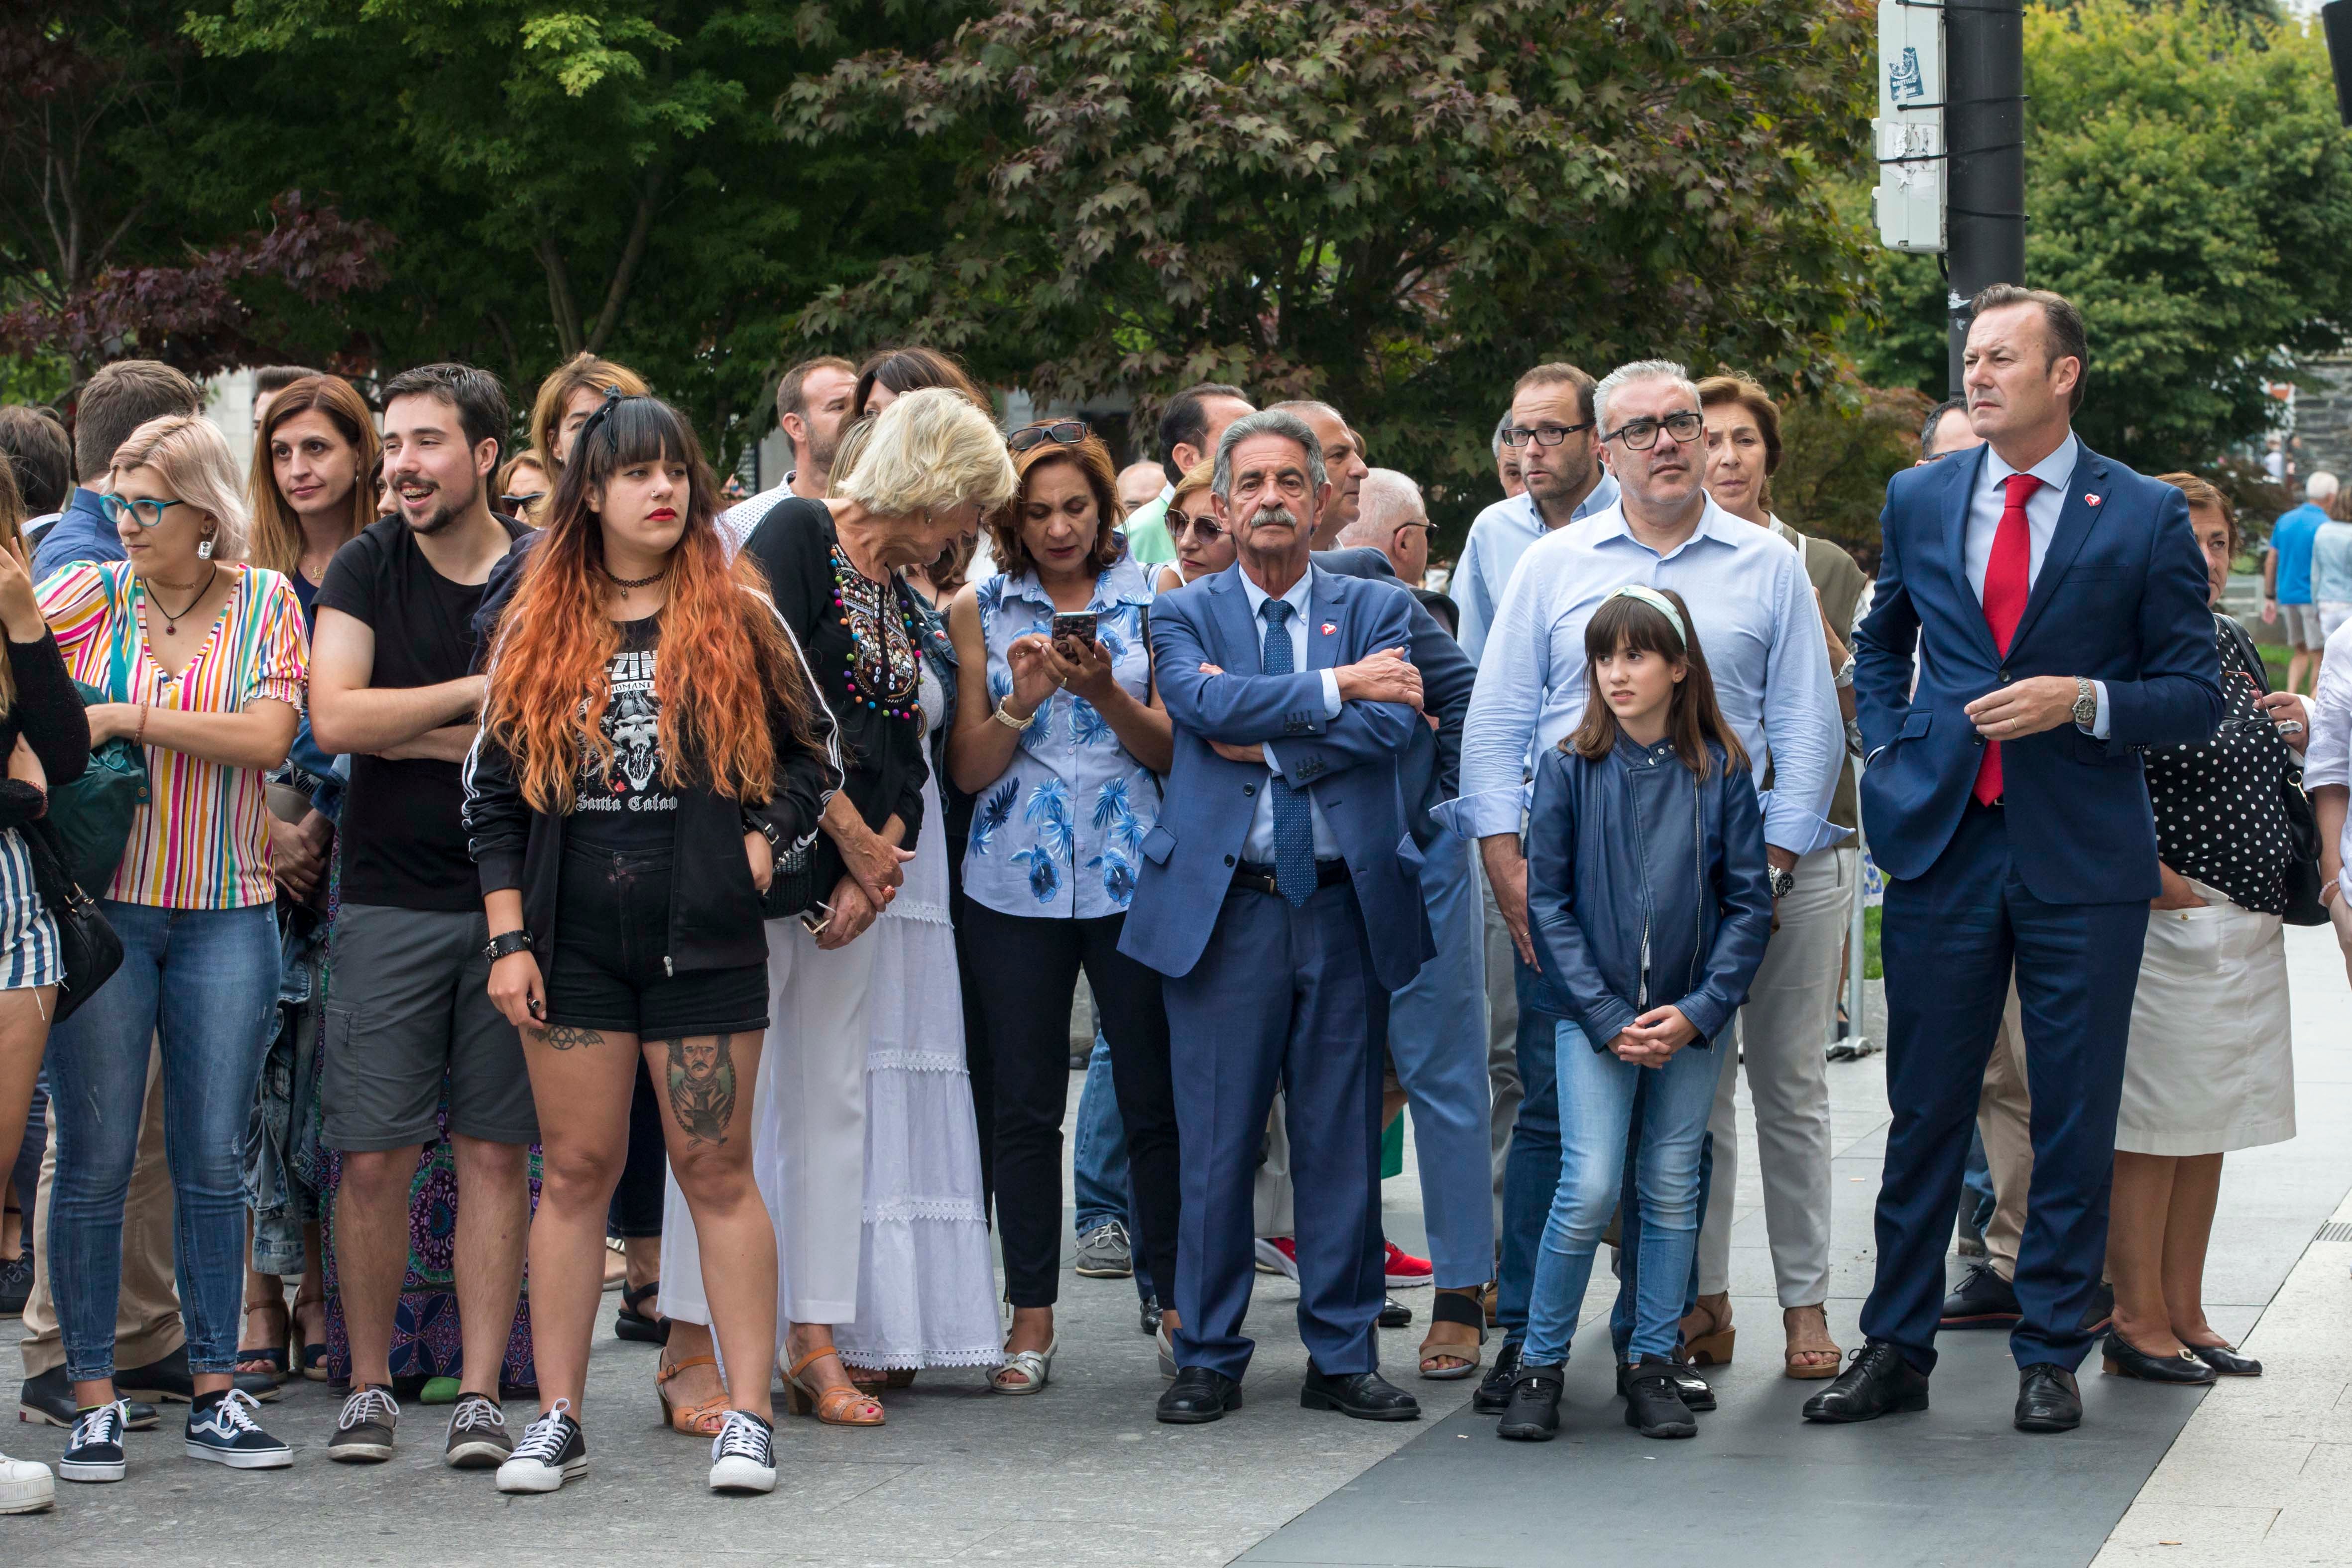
[
  {"x": 1098, "y": 1176},
  {"x": 1597, "y": 1094},
  {"x": 1532, "y": 1170},
  {"x": 204, "y": 984}
]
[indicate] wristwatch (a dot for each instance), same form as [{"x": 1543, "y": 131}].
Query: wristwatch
[
  {"x": 1846, "y": 673},
  {"x": 506, "y": 944},
  {"x": 2086, "y": 704},
  {"x": 1782, "y": 883},
  {"x": 1005, "y": 719}
]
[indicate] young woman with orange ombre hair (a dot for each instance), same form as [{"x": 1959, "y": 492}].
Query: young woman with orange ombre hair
[{"x": 625, "y": 844}]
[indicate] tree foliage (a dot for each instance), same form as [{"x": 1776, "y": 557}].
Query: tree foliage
[
  {"x": 2190, "y": 188},
  {"x": 1395, "y": 204}
]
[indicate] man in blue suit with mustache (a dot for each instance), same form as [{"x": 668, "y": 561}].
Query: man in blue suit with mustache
[
  {"x": 2056, "y": 602},
  {"x": 1279, "y": 896}
]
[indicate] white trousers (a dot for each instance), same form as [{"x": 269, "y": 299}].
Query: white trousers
[
  {"x": 1783, "y": 1031},
  {"x": 809, "y": 1130}
]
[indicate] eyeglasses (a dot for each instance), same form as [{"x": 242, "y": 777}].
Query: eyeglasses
[
  {"x": 517, "y": 505},
  {"x": 1640, "y": 435},
  {"x": 1540, "y": 435},
  {"x": 148, "y": 513},
  {"x": 1062, "y": 432},
  {"x": 1201, "y": 523}
]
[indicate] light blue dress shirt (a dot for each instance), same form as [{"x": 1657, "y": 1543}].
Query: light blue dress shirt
[
  {"x": 1755, "y": 620},
  {"x": 2331, "y": 563},
  {"x": 1259, "y": 845},
  {"x": 1498, "y": 538},
  {"x": 1990, "y": 499}
]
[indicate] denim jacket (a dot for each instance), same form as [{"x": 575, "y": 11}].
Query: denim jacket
[{"x": 1646, "y": 886}]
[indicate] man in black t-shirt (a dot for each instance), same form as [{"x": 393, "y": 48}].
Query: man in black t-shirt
[{"x": 409, "y": 999}]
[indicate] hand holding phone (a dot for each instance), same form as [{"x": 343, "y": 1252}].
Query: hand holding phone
[{"x": 1077, "y": 627}]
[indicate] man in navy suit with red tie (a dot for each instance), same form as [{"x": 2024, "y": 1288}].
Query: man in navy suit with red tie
[{"x": 2056, "y": 602}]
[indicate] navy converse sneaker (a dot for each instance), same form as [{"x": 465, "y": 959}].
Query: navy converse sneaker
[
  {"x": 94, "y": 1452},
  {"x": 551, "y": 1452},
  {"x": 221, "y": 1429},
  {"x": 743, "y": 1456}
]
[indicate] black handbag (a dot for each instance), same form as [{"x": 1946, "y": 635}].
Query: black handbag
[
  {"x": 792, "y": 888},
  {"x": 87, "y": 942}
]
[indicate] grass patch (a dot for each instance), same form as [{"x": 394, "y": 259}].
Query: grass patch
[{"x": 1871, "y": 968}]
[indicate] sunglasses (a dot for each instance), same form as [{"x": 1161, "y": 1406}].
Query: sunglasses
[
  {"x": 517, "y": 505},
  {"x": 1061, "y": 432},
  {"x": 148, "y": 513},
  {"x": 1201, "y": 523}
]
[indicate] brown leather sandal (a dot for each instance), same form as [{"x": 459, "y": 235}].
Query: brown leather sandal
[
  {"x": 1820, "y": 1360},
  {"x": 702, "y": 1418},
  {"x": 834, "y": 1406},
  {"x": 1461, "y": 1309},
  {"x": 1707, "y": 1333}
]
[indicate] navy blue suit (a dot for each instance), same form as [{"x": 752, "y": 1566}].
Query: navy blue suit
[
  {"x": 1259, "y": 990},
  {"x": 2055, "y": 879}
]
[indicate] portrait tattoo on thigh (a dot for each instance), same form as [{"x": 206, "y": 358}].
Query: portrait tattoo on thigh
[
  {"x": 701, "y": 1077},
  {"x": 563, "y": 1036}
]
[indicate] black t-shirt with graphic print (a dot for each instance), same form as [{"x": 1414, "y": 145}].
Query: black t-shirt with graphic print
[{"x": 625, "y": 805}]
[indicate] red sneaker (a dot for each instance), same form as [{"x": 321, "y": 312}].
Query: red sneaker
[
  {"x": 1404, "y": 1268},
  {"x": 1277, "y": 1255}
]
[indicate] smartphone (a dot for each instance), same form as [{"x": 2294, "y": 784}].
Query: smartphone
[
  {"x": 815, "y": 918},
  {"x": 1077, "y": 626}
]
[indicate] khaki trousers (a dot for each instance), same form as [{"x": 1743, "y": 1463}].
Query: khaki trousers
[
  {"x": 147, "y": 1312},
  {"x": 2005, "y": 1120}
]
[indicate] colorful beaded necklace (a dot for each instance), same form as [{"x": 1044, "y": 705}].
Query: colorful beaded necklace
[{"x": 884, "y": 671}]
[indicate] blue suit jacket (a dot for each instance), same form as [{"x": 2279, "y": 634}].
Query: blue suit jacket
[
  {"x": 2120, "y": 598},
  {"x": 1431, "y": 765},
  {"x": 1350, "y": 764}
]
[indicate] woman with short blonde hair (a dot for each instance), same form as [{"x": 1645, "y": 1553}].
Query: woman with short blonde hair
[{"x": 571, "y": 392}]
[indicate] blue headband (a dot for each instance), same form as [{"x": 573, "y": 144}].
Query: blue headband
[{"x": 1658, "y": 602}]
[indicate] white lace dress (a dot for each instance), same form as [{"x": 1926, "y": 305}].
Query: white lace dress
[{"x": 927, "y": 1281}]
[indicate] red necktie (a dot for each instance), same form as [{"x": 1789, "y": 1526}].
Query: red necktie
[{"x": 2005, "y": 588}]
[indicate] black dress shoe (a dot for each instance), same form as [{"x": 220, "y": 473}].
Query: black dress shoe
[
  {"x": 1653, "y": 1404},
  {"x": 1533, "y": 1413},
  {"x": 1494, "y": 1395},
  {"x": 169, "y": 1381},
  {"x": 16, "y": 1284},
  {"x": 1877, "y": 1382},
  {"x": 2124, "y": 1359},
  {"x": 2047, "y": 1399},
  {"x": 1148, "y": 1317},
  {"x": 49, "y": 1398},
  {"x": 1982, "y": 1300},
  {"x": 2225, "y": 1360},
  {"x": 1394, "y": 1314},
  {"x": 1199, "y": 1396},
  {"x": 1697, "y": 1394},
  {"x": 1366, "y": 1395}
]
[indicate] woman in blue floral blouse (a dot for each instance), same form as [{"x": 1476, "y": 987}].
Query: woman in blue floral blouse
[{"x": 1062, "y": 743}]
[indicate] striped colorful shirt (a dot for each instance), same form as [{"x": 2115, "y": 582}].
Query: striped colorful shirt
[{"x": 201, "y": 839}]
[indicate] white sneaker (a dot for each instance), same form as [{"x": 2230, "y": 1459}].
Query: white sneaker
[
  {"x": 551, "y": 1452},
  {"x": 743, "y": 1456},
  {"x": 28, "y": 1488}
]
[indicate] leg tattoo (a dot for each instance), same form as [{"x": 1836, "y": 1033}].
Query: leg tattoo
[
  {"x": 563, "y": 1036},
  {"x": 701, "y": 1076}
]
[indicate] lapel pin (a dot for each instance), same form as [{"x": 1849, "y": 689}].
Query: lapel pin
[
  {"x": 1330, "y": 628},
  {"x": 2090, "y": 500}
]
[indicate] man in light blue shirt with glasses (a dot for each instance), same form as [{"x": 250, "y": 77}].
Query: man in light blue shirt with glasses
[{"x": 1550, "y": 432}]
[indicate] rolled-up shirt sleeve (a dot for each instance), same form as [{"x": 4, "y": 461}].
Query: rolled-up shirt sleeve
[
  {"x": 1801, "y": 724},
  {"x": 1513, "y": 674}
]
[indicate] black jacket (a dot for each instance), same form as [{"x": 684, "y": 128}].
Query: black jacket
[{"x": 715, "y": 916}]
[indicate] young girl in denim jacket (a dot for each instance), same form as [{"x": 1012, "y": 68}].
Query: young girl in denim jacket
[{"x": 1649, "y": 907}]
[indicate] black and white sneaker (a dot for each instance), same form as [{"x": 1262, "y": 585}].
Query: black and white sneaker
[
  {"x": 221, "y": 1429},
  {"x": 551, "y": 1452},
  {"x": 94, "y": 1452},
  {"x": 744, "y": 1455},
  {"x": 366, "y": 1426},
  {"x": 478, "y": 1438}
]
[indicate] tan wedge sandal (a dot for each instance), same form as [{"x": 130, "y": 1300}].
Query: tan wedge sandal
[
  {"x": 1813, "y": 1361},
  {"x": 1707, "y": 1333}
]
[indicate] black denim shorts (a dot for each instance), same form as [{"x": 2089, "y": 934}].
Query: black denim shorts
[{"x": 611, "y": 929}]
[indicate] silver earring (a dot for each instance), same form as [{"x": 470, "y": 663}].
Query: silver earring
[{"x": 204, "y": 550}]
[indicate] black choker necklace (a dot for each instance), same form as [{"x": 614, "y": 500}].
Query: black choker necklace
[{"x": 625, "y": 583}]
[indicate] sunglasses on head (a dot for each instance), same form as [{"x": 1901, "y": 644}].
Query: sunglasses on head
[{"x": 1061, "y": 432}]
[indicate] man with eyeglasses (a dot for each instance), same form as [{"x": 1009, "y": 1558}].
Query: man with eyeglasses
[
  {"x": 1947, "y": 430},
  {"x": 1551, "y": 431},
  {"x": 1189, "y": 427},
  {"x": 1506, "y": 460},
  {"x": 1752, "y": 608}
]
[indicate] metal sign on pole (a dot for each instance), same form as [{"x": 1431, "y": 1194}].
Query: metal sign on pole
[{"x": 1909, "y": 130}]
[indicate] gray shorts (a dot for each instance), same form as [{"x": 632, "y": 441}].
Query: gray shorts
[
  {"x": 2300, "y": 625},
  {"x": 407, "y": 1002}
]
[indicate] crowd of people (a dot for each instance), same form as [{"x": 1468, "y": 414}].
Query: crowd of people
[{"x": 458, "y": 874}]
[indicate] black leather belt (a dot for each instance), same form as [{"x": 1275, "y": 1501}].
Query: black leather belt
[{"x": 1258, "y": 878}]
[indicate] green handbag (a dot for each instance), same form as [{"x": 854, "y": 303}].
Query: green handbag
[{"x": 91, "y": 815}]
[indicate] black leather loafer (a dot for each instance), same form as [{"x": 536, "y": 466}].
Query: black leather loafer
[
  {"x": 1533, "y": 1415},
  {"x": 1147, "y": 1316},
  {"x": 1982, "y": 1300},
  {"x": 1394, "y": 1314},
  {"x": 2226, "y": 1361},
  {"x": 2047, "y": 1399},
  {"x": 1198, "y": 1396},
  {"x": 49, "y": 1398},
  {"x": 1653, "y": 1404},
  {"x": 2123, "y": 1359},
  {"x": 1366, "y": 1395},
  {"x": 1877, "y": 1382},
  {"x": 1494, "y": 1395}
]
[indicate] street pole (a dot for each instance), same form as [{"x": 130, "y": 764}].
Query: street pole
[{"x": 1984, "y": 126}]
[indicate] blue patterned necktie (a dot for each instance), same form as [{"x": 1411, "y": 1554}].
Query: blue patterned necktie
[{"x": 1294, "y": 820}]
